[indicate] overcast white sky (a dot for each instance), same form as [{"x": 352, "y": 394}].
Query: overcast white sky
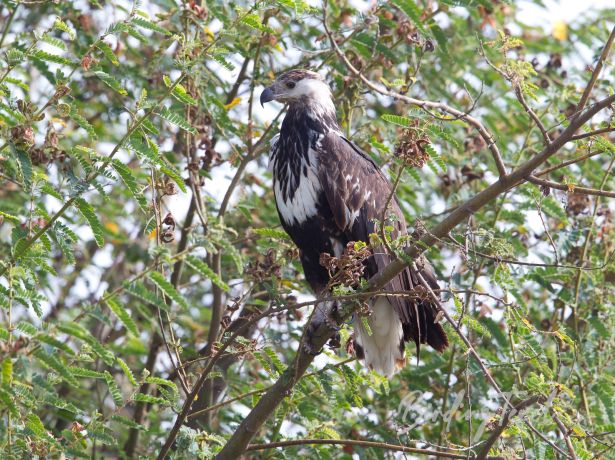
[{"x": 559, "y": 10}]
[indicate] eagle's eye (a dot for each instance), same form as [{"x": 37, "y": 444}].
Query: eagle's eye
[{"x": 290, "y": 84}]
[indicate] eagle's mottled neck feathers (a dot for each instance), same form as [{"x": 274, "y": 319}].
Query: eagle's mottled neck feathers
[{"x": 307, "y": 121}]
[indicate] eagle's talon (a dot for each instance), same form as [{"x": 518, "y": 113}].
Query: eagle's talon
[
  {"x": 335, "y": 341},
  {"x": 308, "y": 349}
]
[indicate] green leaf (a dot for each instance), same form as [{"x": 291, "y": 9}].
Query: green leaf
[
  {"x": 435, "y": 157},
  {"x": 53, "y": 41},
  {"x": 127, "y": 422},
  {"x": 415, "y": 175},
  {"x": 107, "y": 52},
  {"x": 114, "y": 390},
  {"x": 397, "y": 120},
  {"x": 50, "y": 340},
  {"x": 82, "y": 122},
  {"x": 25, "y": 167},
  {"x": 139, "y": 291},
  {"x": 150, "y": 399},
  {"x": 179, "y": 92},
  {"x": 123, "y": 316},
  {"x": 34, "y": 424},
  {"x": 221, "y": 59},
  {"x": 76, "y": 330},
  {"x": 88, "y": 213},
  {"x": 61, "y": 25},
  {"x": 48, "y": 57},
  {"x": 7, "y": 371},
  {"x": 86, "y": 373},
  {"x": 127, "y": 372},
  {"x": 10, "y": 217},
  {"x": 176, "y": 119},
  {"x": 51, "y": 362},
  {"x": 142, "y": 22},
  {"x": 130, "y": 181},
  {"x": 253, "y": 20},
  {"x": 271, "y": 233},
  {"x": 26, "y": 328},
  {"x": 174, "y": 175},
  {"x": 111, "y": 82},
  {"x": 168, "y": 289},
  {"x": 207, "y": 272}
]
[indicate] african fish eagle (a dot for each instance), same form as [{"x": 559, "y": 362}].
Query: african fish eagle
[{"x": 328, "y": 193}]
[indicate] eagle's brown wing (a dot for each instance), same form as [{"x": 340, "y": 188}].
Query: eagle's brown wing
[{"x": 357, "y": 193}]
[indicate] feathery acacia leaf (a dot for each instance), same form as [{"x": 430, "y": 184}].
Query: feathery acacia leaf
[
  {"x": 176, "y": 119},
  {"x": 207, "y": 272},
  {"x": 130, "y": 181},
  {"x": 168, "y": 289},
  {"x": 111, "y": 82},
  {"x": 87, "y": 211},
  {"x": 123, "y": 315}
]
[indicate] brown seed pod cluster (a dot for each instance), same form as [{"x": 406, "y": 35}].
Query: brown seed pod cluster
[
  {"x": 348, "y": 269},
  {"x": 577, "y": 204},
  {"x": 49, "y": 152},
  {"x": 411, "y": 148},
  {"x": 22, "y": 136},
  {"x": 265, "y": 267}
]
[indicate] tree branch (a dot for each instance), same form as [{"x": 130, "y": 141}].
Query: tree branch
[
  {"x": 360, "y": 443},
  {"x": 596, "y": 132},
  {"x": 542, "y": 172},
  {"x": 533, "y": 116},
  {"x": 562, "y": 428},
  {"x": 570, "y": 189},
  {"x": 495, "y": 435},
  {"x": 592, "y": 81},
  {"x": 248, "y": 428}
]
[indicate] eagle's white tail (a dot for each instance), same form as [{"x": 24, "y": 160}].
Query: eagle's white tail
[{"x": 382, "y": 348}]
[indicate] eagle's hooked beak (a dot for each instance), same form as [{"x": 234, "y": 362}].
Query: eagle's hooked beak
[{"x": 267, "y": 95}]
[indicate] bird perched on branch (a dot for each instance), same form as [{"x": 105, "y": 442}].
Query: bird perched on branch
[{"x": 330, "y": 193}]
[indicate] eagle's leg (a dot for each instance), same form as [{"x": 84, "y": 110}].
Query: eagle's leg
[{"x": 324, "y": 321}]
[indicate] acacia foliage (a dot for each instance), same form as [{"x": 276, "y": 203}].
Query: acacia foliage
[{"x": 115, "y": 116}]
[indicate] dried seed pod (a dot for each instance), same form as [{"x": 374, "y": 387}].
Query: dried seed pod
[
  {"x": 22, "y": 136},
  {"x": 545, "y": 190},
  {"x": 169, "y": 220},
  {"x": 411, "y": 148}
]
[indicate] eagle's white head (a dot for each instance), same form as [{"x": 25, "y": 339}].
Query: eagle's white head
[{"x": 300, "y": 87}]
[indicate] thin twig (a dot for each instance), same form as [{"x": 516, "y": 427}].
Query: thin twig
[
  {"x": 596, "y": 73},
  {"x": 542, "y": 172},
  {"x": 359, "y": 443},
  {"x": 596, "y": 132},
  {"x": 504, "y": 422},
  {"x": 570, "y": 188},
  {"x": 533, "y": 116},
  {"x": 565, "y": 434}
]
